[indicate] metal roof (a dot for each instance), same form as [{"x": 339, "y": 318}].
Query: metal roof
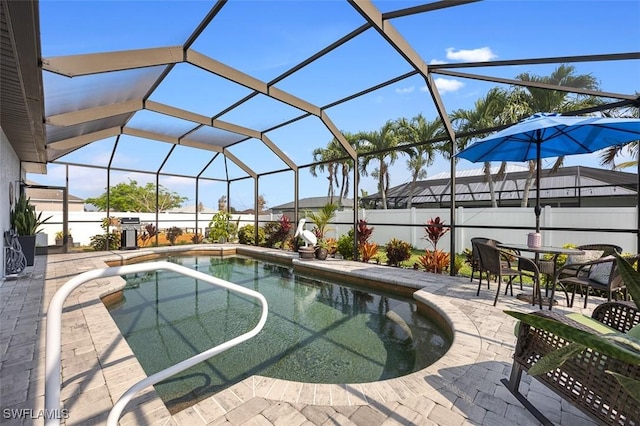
[{"x": 471, "y": 186}]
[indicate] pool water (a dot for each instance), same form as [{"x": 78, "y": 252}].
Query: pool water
[{"x": 316, "y": 332}]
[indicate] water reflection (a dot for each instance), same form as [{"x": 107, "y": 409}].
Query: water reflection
[{"x": 316, "y": 331}]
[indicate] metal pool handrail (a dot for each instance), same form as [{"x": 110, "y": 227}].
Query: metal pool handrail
[{"x": 54, "y": 325}]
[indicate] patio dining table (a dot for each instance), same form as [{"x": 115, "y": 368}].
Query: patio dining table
[{"x": 546, "y": 267}]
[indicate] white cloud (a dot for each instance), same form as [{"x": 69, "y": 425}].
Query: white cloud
[
  {"x": 437, "y": 61},
  {"x": 445, "y": 85},
  {"x": 474, "y": 55},
  {"x": 405, "y": 90}
]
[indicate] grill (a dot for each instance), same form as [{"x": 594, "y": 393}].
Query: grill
[{"x": 129, "y": 227}]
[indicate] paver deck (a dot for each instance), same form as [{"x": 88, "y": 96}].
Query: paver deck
[{"x": 98, "y": 366}]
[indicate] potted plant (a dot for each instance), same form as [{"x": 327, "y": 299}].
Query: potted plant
[
  {"x": 26, "y": 223},
  {"x": 60, "y": 238},
  {"x": 322, "y": 249},
  {"x": 321, "y": 219}
]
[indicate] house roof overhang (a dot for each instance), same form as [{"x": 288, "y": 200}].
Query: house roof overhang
[{"x": 21, "y": 89}]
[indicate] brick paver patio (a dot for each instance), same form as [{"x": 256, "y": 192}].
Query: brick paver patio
[{"x": 98, "y": 366}]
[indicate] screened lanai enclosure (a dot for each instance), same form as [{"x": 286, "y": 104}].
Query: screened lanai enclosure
[{"x": 232, "y": 104}]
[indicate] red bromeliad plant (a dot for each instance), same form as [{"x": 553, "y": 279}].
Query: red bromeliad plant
[
  {"x": 435, "y": 230},
  {"x": 285, "y": 224},
  {"x": 149, "y": 231},
  {"x": 435, "y": 260},
  {"x": 364, "y": 233}
]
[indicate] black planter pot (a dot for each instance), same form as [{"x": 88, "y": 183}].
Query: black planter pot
[{"x": 28, "y": 243}]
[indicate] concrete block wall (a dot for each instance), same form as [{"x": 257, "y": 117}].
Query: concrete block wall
[{"x": 9, "y": 176}]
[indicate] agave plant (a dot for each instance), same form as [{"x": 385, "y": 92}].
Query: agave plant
[{"x": 622, "y": 346}]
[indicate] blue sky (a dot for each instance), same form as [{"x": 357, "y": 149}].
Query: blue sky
[{"x": 264, "y": 39}]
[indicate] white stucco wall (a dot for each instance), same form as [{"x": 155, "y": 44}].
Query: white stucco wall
[{"x": 9, "y": 172}]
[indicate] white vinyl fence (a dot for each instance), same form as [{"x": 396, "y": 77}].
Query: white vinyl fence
[{"x": 395, "y": 224}]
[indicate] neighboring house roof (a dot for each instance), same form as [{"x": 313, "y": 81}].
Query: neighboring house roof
[
  {"x": 313, "y": 203},
  {"x": 192, "y": 209},
  {"x": 568, "y": 185},
  {"x": 44, "y": 194}
]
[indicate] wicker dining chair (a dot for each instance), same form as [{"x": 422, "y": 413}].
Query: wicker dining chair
[
  {"x": 475, "y": 257},
  {"x": 491, "y": 262}
]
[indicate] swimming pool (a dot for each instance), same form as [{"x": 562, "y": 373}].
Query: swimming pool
[{"x": 316, "y": 332}]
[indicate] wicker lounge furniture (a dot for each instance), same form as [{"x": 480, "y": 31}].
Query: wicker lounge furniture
[
  {"x": 600, "y": 274},
  {"x": 581, "y": 380}
]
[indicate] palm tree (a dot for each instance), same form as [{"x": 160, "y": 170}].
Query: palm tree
[
  {"x": 490, "y": 111},
  {"x": 333, "y": 159},
  {"x": 381, "y": 144},
  {"x": 346, "y": 165},
  {"x": 417, "y": 131},
  {"x": 325, "y": 157},
  {"x": 608, "y": 156},
  {"x": 530, "y": 100}
]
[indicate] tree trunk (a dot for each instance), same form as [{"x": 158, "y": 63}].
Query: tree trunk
[
  {"x": 411, "y": 186},
  {"x": 492, "y": 192},
  {"x": 382, "y": 185}
]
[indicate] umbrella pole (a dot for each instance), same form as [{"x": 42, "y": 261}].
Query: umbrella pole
[{"x": 538, "y": 209}]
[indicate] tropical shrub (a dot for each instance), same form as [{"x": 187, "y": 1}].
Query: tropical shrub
[
  {"x": 332, "y": 246},
  {"x": 436, "y": 261},
  {"x": 345, "y": 245},
  {"x": 368, "y": 250},
  {"x": 468, "y": 256},
  {"x": 397, "y": 251},
  {"x": 458, "y": 263},
  {"x": 102, "y": 242},
  {"x": 277, "y": 232},
  {"x": 364, "y": 233},
  {"x": 219, "y": 227},
  {"x": 435, "y": 230},
  {"x": 149, "y": 231},
  {"x": 172, "y": 234},
  {"x": 110, "y": 240},
  {"x": 246, "y": 235}
]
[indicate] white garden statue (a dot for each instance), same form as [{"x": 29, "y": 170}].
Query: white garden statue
[{"x": 308, "y": 236}]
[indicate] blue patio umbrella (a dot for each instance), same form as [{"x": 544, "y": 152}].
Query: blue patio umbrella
[{"x": 552, "y": 135}]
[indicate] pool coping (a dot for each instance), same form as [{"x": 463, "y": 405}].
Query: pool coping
[
  {"x": 89, "y": 332},
  {"x": 464, "y": 351}
]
